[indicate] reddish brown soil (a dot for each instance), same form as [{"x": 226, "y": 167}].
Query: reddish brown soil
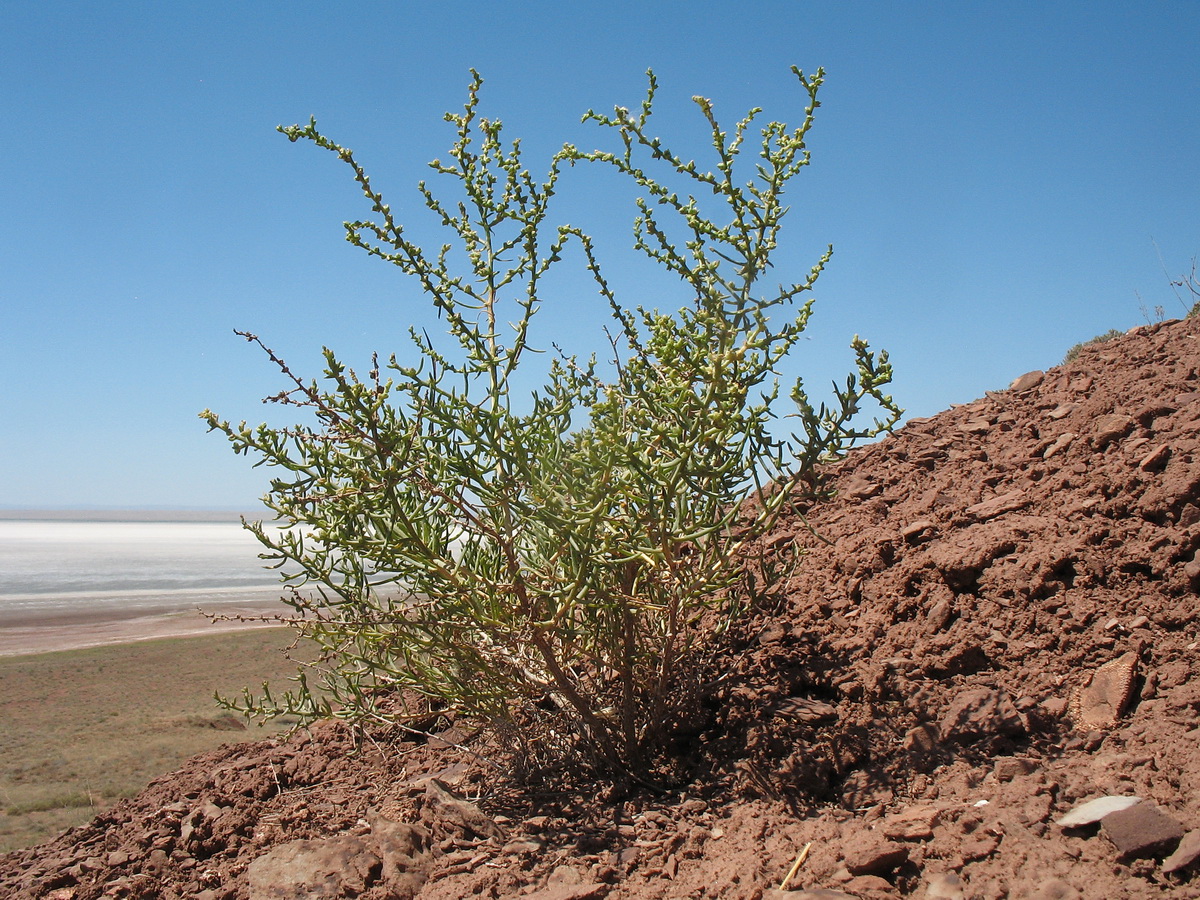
[{"x": 908, "y": 701}]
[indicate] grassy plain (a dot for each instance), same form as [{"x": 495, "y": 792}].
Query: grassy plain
[{"x": 80, "y": 729}]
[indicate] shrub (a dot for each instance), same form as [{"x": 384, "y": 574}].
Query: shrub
[
  {"x": 1110, "y": 335},
  {"x": 557, "y": 561}
]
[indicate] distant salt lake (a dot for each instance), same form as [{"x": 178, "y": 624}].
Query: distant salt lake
[{"x": 62, "y": 568}]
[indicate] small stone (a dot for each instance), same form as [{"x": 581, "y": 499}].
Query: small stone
[
  {"x": 860, "y": 488},
  {"x": 1009, "y": 767},
  {"x": 1109, "y": 428},
  {"x": 1156, "y": 459},
  {"x": 1054, "y": 706},
  {"x": 334, "y": 867},
  {"x": 979, "y": 713},
  {"x": 979, "y": 846},
  {"x": 921, "y": 739},
  {"x": 806, "y": 710},
  {"x": 946, "y": 886},
  {"x": 440, "y": 803},
  {"x": 1004, "y": 503},
  {"x": 913, "y": 824},
  {"x": 868, "y": 886},
  {"x": 1185, "y": 854},
  {"x": 1093, "y": 811},
  {"x": 595, "y": 891},
  {"x": 817, "y": 894},
  {"x": 1027, "y": 381},
  {"x": 914, "y": 529},
  {"x": 1139, "y": 622},
  {"x": 1099, "y": 703},
  {"x": 1142, "y": 831},
  {"x": 876, "y": 856},
  {"x": 1055, "y": 889},
  {"x": 1061, "y": 443}
]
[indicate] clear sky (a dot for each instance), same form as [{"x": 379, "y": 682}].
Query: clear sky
[{"x": 998, "y": 181}]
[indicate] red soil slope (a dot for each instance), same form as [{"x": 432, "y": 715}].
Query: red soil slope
[{"x": 997, "y": 622}]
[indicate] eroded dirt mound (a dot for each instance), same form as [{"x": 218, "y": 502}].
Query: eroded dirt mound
[{"x": 994, "y": 621}]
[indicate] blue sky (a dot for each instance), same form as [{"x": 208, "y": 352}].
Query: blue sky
[{"x": 998, "y": 181}]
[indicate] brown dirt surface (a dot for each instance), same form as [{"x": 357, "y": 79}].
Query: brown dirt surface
[{"x": 997, "y": 622}]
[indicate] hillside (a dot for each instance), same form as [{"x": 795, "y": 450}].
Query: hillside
[{"x": 994, "y": 620}]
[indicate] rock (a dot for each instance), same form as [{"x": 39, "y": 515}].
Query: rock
[
  {"x": 946, "y": 886},
  {"x": 816, "y": 894},
  {"x": 913, "y": 530},
  {"x": 1156, "y": 459},
  {"x": 1098, "y": 703},
  {"x": 571, "y": 892},
  {"x": 443, "y": 805},
  {"x": 1093, "y": 811},
  {"x": 1009, "y": 767},
  {"x": 874, "y": 856},
  {"x": 1007, "y": 502},
  {"x": 921, "y": 739},
  {"x": 1143, "y": 830},
  {"x": 1028, "y": 381},
  {"x": 979, "y": 845},
  {"x": 1061, "y": 443},
  {"x": 869, "y": 886},
  {"x": 858, "y": 488},
  {"x": 980, "y": 713},
  {"x": 1185, "y": 854},
  {"x": 336, "y": 867},
  {"x": 913, "y": 824},
  {"x": 1055, "y": 889},
  {"x": 1109, "y": 428},
  {"x": 808, "y": 711},
  {"x": 404, "y": 849}
]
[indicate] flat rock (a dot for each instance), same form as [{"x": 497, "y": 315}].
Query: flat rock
[
  {"x": 336, "y": 867},
  {"x": 875, "y": 856},
  {"x": 979, "y": 713},
  {"x": 996, "y": 506},
  {"x": 443, "y": 804},
  {"x": 1099, "y": 702},
  {"x": 1093, "y": 811},
  {"x": 1009, "y": 767},
  {"x": 913, "y": 824},
  {"x": 1109, "y": 428},
  {"x": 1141, "y": 831},
  {"x": 571, "y": 892},
  {"x": 1028, "y": 381},
  {"x": 1185, "y": 854}
]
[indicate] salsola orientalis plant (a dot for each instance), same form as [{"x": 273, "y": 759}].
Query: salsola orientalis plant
[{"x": 551, "y": 560}]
